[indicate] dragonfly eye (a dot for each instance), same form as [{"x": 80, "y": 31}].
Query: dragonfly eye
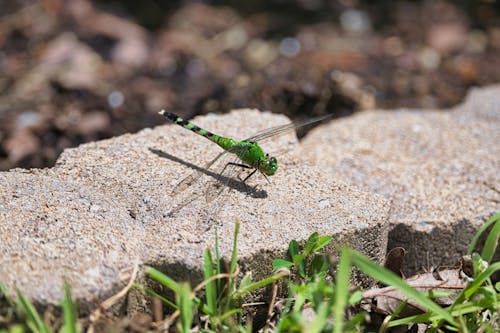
[{"x": 272, "y": 165}]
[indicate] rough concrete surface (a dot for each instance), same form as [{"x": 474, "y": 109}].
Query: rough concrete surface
[
  {"x": 54, "y": 230},
  {"x": 441, "y": 169},
  {"x": 109, "y": 203}
]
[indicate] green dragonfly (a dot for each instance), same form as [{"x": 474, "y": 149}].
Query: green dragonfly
[{"x": 248, "y": 151}]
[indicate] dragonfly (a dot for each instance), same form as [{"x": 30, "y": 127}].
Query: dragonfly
[{"x": 249, "y": 153}]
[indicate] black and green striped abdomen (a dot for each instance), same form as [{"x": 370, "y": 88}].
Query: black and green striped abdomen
[{"x": 223, "y": 142}]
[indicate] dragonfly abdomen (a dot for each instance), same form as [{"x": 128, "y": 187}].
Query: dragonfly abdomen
[{"x": 225, "y": 143}]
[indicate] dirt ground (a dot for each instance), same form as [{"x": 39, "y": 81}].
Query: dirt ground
[{"x": 77, "y": 71}]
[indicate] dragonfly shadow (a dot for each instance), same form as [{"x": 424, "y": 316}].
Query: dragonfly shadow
[{"x": 221, "y": 179}]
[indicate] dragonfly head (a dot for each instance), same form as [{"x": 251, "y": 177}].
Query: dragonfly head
[{"x": 269, "y": 166}]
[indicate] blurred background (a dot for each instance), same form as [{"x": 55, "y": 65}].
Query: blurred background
[{"x": 77, "y": 70}]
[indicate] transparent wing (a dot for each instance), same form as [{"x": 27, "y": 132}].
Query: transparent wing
[
  {"x": 190, "y": 196},
  {"x": 229, "y": 176},
  {"x": 195, "y": 175},
  {"x": 281, "y": 129},
  {"x": 226, "y": 179}
]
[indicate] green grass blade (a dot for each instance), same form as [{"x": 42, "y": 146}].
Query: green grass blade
[
  {"x": 14, "y": 329},
  {"x": 234, "y": 252},
  {"x": 34, "y": 321},
  {"x": 466, "y": 308},
  {"x": 4, "y": 291},
  {"x": 356, "y": 320},
  {"x": 217, "y": 253},
  {"x": 355, "y": 297},
  {"x": 341, "y": 290},
  {"x": 163, "y": 279},
  {"x": 393, "y": 315},
  {"x": 262, "y": 283},
  {"x": 459, "y": 310},
  {"x": 246, "y": 281},
  {"x": 234, "y": 258},
  {"x": 320, "y": 322},
  {"x": 70, "y": 324},
  {"x": 420, "y": 318},
  {"x": 230, "y": 313},
  {"x": 151, "y": 292},
  {"x": 218, "y": 258},
  {"x": 476, "y": 283},
  {"x": 185, "y": 307},
  {"x": 211, "y": 287},
  {"x": 387, "y": 277},
  {"x": 491, "y": 243},
  {"x": 495, "y": 218}
]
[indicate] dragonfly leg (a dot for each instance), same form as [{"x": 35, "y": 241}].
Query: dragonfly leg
[
  {"x": 238, "y": 165},
  {"x": 249, "y": 190},
  {"x": 250, "y": 175},
  {"x": 245, "y": 167},
  {"x": 267, "y": 178},
  {"x": 255, "y": 170},
  {"x": 235, "y": 164},
  {"x": 254, "y": 189}
]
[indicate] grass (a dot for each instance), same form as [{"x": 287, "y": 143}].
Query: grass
[
  {"x": 21, "y": 316},
  {"x": 316, "y": 301}
]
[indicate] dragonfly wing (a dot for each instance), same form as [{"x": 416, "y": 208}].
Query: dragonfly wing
[
  {"x": 195, "y": 176},
  {"x": 281, "y": 129},
  {"x": 215, "y": 187},
  {"x": 186, "y": 182},
  {"x": 227, "y": 177}
]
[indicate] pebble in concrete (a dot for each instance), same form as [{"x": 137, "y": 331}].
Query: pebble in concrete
[
  {"x": 439, "y": 168},
  {"x": 113, "y": 204}
]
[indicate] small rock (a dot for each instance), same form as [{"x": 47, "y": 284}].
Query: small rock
[
  {"x": 20, "y": 144},
  {"x": 93, "y": 122},
  {"x": 447, "y": 37}
]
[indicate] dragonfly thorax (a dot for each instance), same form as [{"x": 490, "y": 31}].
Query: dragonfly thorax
[{"x": 252, "y": 154}]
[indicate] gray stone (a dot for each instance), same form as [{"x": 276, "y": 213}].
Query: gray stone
[
  {"x": 109, "y": 203},
  {"x": 440, "y": 169},
  {"x": 54, "y": 230}
]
